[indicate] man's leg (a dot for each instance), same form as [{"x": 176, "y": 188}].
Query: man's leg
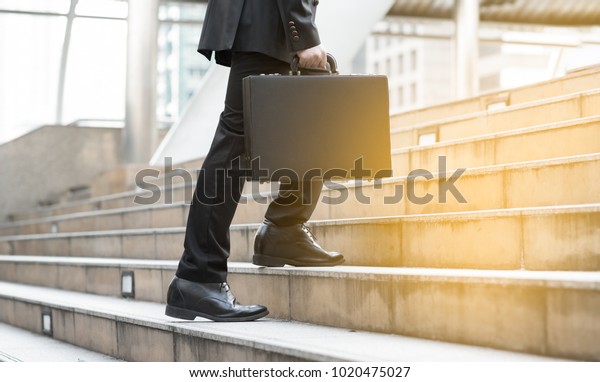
[
  {"x": 200, "y": 288},
  {"x": 216, "y": 196},
  {"x": 295, "y": 203}
]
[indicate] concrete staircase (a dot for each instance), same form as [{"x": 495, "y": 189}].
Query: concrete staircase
[{"x": 513, "y": 273}]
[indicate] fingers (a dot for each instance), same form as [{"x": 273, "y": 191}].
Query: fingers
[
  {"x": 311, "y": 62},
  {"x": 321, "y": 60},
  {"x": 315, "y": 57}
]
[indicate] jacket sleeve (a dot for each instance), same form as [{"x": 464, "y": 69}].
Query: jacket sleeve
[{"x": 298, "y": 18}]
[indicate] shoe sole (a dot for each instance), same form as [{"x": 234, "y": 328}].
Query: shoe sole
[
  {"x": 272, "y": 261},
  {"x": 186, "y": 314}
]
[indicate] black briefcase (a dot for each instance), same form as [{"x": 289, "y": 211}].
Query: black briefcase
[{"x": 300, "y": 126}]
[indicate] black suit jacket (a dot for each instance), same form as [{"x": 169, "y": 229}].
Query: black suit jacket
[{"x": 277, "y": 28}]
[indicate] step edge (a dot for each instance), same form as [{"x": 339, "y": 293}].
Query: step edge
[{"x": 552, "y": 279}]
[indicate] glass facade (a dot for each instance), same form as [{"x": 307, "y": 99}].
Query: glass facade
[
  {"x": 95, "y": 76},
  {"x": 180, "y": 67},
  {"x": 61, "y": 68},
  {"x": 57, "y": 6},
  {"x": 102, "y": 8},
  {"x": 29, "y": 67}
]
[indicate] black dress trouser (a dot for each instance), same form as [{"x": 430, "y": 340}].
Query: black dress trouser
[{"x": 221, "y": 180}]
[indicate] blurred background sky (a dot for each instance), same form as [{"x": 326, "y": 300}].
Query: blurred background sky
[{"x": 415, "y": 53}]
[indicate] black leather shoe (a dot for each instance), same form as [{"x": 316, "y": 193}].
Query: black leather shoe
[
  {"x": 276, "y": 246},
  {"x": 188, "y": 300}
]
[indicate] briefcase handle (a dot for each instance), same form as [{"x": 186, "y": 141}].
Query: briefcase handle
[{"x": 331, "y": 62}]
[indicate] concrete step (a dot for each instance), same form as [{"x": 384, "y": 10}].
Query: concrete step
[
  {"x": 124, "y": 329},
  {"x": 576, "y": 82},
  {"x": 531, "y": 184},
  {"x": 541, "y": 238},
  {"x": 529, "y": 114},
  {"x": 500, "y": 309},
  {"x": 122, "y": 179},
  {"x": 18, "y": 345},
  {"x": 152, "y": 216}
]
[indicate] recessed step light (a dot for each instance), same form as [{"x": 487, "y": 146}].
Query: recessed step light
[
  {"x": 47, "y": 322},
  {"x": 128, "y": 284}
]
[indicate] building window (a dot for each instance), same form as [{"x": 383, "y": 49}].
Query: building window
[
  {"x": 108, "y": 8},
  {"x": 400, "y": 97},
  {"x": 28, "y": 77},
  {"x": 180, "y": 68},
  {"x": 413, "y": 93},
  {"x": 382, "y": 42},
  {"x": 400, "y": 64},
  {"x": 413, "y": 60},
  {"x": 59, "y": 6},
  {"x": 95, "y": 79}
]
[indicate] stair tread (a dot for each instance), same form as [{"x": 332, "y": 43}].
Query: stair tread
[
  {"x": 292, "y": 338},
  {"x": 19, "y": 345}
]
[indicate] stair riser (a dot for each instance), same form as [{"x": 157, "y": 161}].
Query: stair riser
[
  {"x": 119, "y": 338},
  {"x": 512, "y": 188},
  {"x": 150, "y": 283},
  {"x": 176, "y": 194},
  {"x": 148, "y": 246},
  {"x": 513, "y": 315},
  {"x": 563, "y": 241},
  {"x": 520, "y": 318},
  {"x": 579, "y": 83},
  {"x": 562, "y": 110},
  {"x": 572, "y": 84}
]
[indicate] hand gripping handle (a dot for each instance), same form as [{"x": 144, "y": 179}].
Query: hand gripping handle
[{"x": 332, "y": 67}]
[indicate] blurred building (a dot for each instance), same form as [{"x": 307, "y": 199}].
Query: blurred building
[
  {"x": 417, "y": 57},
  {"x": 69, "y": 70}
]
